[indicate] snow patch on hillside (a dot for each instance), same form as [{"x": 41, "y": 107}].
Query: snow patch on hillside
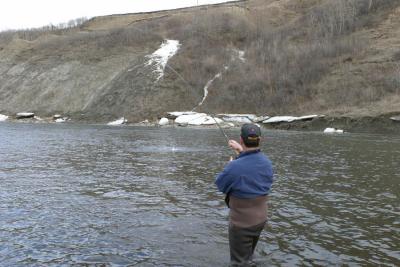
[
  {"x": 160, "y": 57},
  {"x": 239, "y": 54},
  {"x": 207, "y": 86}
]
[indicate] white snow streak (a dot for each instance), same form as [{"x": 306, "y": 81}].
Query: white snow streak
[
  {"x": 207, "y": 86},
  {"x": 239, "y": 54},
  {"x": 161, "y": 56}
]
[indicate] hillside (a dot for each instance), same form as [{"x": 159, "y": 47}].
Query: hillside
[{"x": 339, "y": 58}]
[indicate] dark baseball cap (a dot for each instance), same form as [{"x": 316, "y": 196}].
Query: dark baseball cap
[{"x": 250, "y": 131}]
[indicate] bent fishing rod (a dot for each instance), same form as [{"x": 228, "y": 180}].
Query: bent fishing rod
[
  {"x": 222, "y": 131},
  {"x": 191, "y": 87},
  {"x": 219, "y": 126}
]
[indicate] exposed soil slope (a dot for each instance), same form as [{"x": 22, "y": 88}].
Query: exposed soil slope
[{"x": 339, "y": 58}]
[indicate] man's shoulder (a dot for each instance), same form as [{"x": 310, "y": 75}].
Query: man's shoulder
[
  {"x": 264, "y": 156},
  {"x": 236, "y": 165},
  {"x": 260, "y": 155},
  {"x": 233, "y": 164}
]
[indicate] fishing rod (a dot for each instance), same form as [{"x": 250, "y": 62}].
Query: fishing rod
[
  {"x": 191, "y": 87},
  {"x": 222, "y": 131}
]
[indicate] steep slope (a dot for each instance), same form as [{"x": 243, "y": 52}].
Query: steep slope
[
  {"x": 260, "y": 56},
  {"x": 370, "y": 77}
]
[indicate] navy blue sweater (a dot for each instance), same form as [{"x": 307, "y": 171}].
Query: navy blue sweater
[{"x": 250, "y": 175}]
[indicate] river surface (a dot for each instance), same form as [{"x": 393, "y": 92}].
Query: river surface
[{"x": 79, "y": 195}]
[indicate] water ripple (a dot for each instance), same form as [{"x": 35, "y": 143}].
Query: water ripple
[{"x": 94, "y": 196}]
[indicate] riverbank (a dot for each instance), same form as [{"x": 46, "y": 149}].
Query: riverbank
[
  {"x": 381, "y": 124},
  {"x": 262, "y": 57}
]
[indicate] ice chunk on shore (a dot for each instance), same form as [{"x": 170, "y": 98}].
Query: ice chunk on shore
[
  {"x": 25, "y": 115},
  {"x": 240, "y": 118},
  {"x": 205, "y": 120},
  {"x": 260, "y": 119},
  {"x": 197, "y": 119},
  {"x": 176, "y": 114},
  {"x": 118, "y": 122},
  {"x": 161, "y": 56},
  {"x": 333, "y": 130},
  {"x": 395, "y": 118},
  {"x": 3, "y": 117},
  {"x": 61, "y": 120},
  {"x": 189, "y": 118},
  {"x": 163, "y": 122},
  {"x": 280, "y": 119},
  {"x": 308, "y": 117},
  {"x": 209, "y": 120}
]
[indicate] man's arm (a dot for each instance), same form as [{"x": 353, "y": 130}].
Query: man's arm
[{"x": 225, "y": 180}]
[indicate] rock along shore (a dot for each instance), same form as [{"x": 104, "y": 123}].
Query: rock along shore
[
  {"x": 382, "y": 124},
  {"x": 387, "y": 123}
]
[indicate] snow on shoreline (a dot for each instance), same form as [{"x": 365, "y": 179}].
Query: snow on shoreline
[
  {"x": 25, "y": 115},
  {"x": 197, "y": 119},
  {"x": 278, "y": 119},
  {"x": 117, "y": 122},
  {"x": 61, "y": 120},
  {"x": 179, "y": 113},
  {"x": 161, "y": 56},
  {"x": 333, "y": 130},
  {"x": 239, "y": 118},
  {"x": 163, "y": 121},
  {"x": 3, "y": 117},
  {"x": 184, "y": 118}
]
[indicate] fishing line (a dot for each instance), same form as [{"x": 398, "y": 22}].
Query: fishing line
[
  {"x": 191, "y": 87},
  {"x": 222, "y": 131}
]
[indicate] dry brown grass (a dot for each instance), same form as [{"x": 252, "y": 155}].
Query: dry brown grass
[
  {"x": 301, "y": 56},
  {"x": 285, "y": 62}
]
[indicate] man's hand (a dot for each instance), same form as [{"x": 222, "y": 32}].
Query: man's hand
[{"x": 235, "y": 146}]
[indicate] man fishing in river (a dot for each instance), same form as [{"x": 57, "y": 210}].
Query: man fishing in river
[{"x": 246, "y": 181}]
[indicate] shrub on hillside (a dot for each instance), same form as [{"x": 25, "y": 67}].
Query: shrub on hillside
[{"x": 34, "y": 33}]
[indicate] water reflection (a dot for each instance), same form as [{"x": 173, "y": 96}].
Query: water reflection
[{"x": 73, "y": 194}]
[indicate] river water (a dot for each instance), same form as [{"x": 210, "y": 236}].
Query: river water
[{"x": 78, "y": 195}]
